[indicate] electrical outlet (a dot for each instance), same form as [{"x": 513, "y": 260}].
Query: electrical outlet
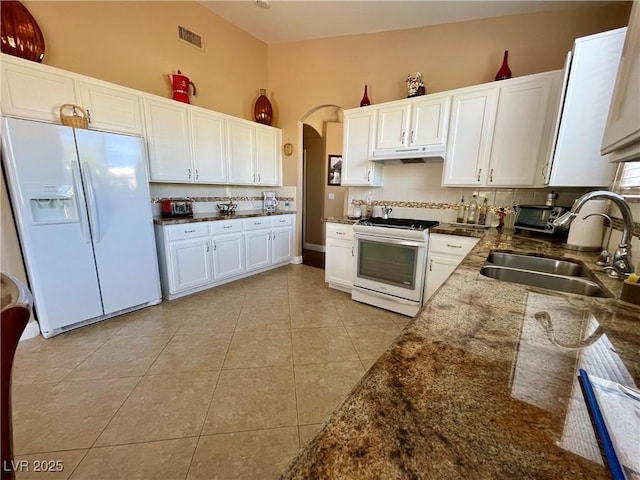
[{"x": 332, "y": 196}]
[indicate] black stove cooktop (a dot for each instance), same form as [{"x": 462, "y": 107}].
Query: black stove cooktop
[{"x": 406, "y": 223}]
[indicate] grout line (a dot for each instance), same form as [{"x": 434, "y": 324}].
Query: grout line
[{"x": 293, "y": 369}]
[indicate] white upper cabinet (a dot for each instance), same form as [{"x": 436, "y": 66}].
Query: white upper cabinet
[
  {"x": 35, "y": 91},
  {"x": 254, "y": 154},
  {"x": 357, "y": 169},
  {"x": 268, "y": 156},
  {"x": 499, "y": 134},
  {"x": 168, "y": 140},
  {"x": 521, "y": 135},
  {"x": 208, "y": 137},
  {"x": 622, "y": 133},
  {"x": 412, "y": 127},
  {"x": 468, "y": 143},
  {"x": 590, "y": 73},
  {"x": 111, "y": 109}
]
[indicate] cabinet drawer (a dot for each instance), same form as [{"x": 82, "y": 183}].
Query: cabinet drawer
[
  {"x": 338, "y": 230},
  {"x": 451, "y": 244},
  {"x": 281, "y": 220},
  {"x": 225, "y": 226},
  {"x": 187, "y": 230},
  {"x": 256, "y": 223}
]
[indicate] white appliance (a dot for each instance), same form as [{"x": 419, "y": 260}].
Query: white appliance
[
  {"x": 269, "y": 201},
  {"x": 83, "y": 213},
  {"x": 391, "y": 261}
]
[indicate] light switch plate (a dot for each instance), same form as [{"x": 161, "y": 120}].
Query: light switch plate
[{"x": 332, "y": 196}]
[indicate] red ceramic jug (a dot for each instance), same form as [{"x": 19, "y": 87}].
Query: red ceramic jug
[{"x": 180, "y": 85}]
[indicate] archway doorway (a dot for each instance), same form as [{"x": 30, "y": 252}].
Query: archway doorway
[{"x": 321, "y": 130}]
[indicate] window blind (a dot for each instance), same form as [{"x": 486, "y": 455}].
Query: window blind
[{"x": 627, "y": 180}]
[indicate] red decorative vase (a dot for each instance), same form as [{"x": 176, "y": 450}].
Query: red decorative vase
[
  {"x": 21, "y": 36},
  {"x": 505, "y": 71},
  {"x": 365, "y": 99},
  {"x": 262, "y": 111}
]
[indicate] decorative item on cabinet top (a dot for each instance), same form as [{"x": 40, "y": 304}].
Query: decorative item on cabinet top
[
  {"x": 262, "y": 111},
  {"x": 505, "y": 71},
  {"x": 365, "y": 99},
  {"x": 180, "y": 85},
  {"x": 415, "y": 85},
  {"x": 21, "y": 36}
]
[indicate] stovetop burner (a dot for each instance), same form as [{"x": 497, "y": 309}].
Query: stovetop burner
[{"x": 406, "y": 223}]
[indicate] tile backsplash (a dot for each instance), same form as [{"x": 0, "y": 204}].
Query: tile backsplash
[
  {"x": 420, "y": 185},
  {"x": 205, "y": 197}
]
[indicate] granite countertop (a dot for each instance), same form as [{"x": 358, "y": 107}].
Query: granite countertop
[
  {"x": 344, "y": 220},
  {"x": 482, "y": 383},
  {"x": 214, "y": 216}
]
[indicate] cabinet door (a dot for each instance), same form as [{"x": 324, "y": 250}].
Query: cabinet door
[
  {"x": 592, "y": 74},
  {"x": 520, "y": 139},
  {"x": 228, "y": 255},
  {"x": 190, "y": 262},
  {"x": 169, "y": 142},
  {"x": 438, "y": 270},
  {"x": 31, "y": 90},
  {"x": 281, "y": 244},
  {"x": 339, "y": 262},
  {"x": 268, "y": 156},
  {"x": 242, "y": 153},
  {"x": 209, "y": 148},
  {"x": 429, "y": 121},
  {"x": 392, "y": 127},
  {"x": 356, "y": 167},
  {"x": 110, "y": 108},
  {"x": 622, "y": 132},
  {"x": 257, "y": 249},
  {"x": 468, "y": 143}
]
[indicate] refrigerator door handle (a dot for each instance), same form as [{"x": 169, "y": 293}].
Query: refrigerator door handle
[
  {"x": 80, "y": 202},
  {"x": 91, "y": 202}
]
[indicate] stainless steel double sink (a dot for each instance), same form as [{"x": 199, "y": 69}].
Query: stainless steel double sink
[{"x": 544, "y": 272}]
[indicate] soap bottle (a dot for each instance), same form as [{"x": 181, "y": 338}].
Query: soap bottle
[
  {"x": 473, "y": 210},
  {"x": 482, "y": 213},
  {"x": 460, "y": 216}
]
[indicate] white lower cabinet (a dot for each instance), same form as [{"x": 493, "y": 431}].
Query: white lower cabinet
[
  {"x": 228, "y": 256},
  {"x": 269, "y": 241},
  {"x": 339, "y": 258},
  {"x": 446, "y": 252},
  {"x": 190, "y": 263},
  {"x": 200, "y": 255}
]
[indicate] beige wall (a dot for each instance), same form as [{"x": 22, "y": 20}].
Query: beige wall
[
  {"x": 334, "y": 71},
  {"x": 135, "y": 44}
]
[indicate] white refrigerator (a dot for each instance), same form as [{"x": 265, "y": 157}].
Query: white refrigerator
[{"x": 83, "y": 212}]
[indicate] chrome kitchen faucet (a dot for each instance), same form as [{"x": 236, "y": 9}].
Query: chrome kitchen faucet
[{"x": 621, "y": 266}]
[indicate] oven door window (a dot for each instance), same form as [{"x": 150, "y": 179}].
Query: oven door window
[{"x": 388, "y": 263}]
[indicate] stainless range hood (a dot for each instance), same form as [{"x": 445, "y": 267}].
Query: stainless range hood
[{"x": 422, "y": 154}]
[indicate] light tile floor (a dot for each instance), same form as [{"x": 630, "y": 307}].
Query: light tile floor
[{"x": 223, "y": 384}]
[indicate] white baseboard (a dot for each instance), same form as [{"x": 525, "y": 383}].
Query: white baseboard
[
  {"x": 296, "y": 260},
  {"x": 32, "y": 330},
  {"x": 314, "y": 247}
]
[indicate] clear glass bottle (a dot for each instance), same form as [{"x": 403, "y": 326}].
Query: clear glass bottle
[
  {"x": 460, "y": 216},
  {"x": 482, "y": 213},
  {"x": 473, "y": 210}
]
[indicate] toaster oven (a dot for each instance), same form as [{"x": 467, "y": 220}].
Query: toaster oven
[
  {"x": 176, "y": 207},
  {"x": 538, "y": 218}
]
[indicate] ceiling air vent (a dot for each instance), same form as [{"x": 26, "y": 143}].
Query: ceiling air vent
[{"x": 190, "y": 37}]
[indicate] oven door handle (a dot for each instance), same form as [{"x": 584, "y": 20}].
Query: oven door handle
[
  {"x": 394, "y": 241},
  {"x": 386, "y": 297}
]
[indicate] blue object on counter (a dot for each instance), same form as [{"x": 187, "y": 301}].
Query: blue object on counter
[{"x": 600, "y": 426}]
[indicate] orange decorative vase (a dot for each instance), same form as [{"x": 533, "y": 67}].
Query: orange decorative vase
[
  {"x": 21, "y": 36},
  {"x": 262, "y": 111}
]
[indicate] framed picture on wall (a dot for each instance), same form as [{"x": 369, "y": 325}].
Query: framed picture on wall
[{"x": 335, "y": 170}]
